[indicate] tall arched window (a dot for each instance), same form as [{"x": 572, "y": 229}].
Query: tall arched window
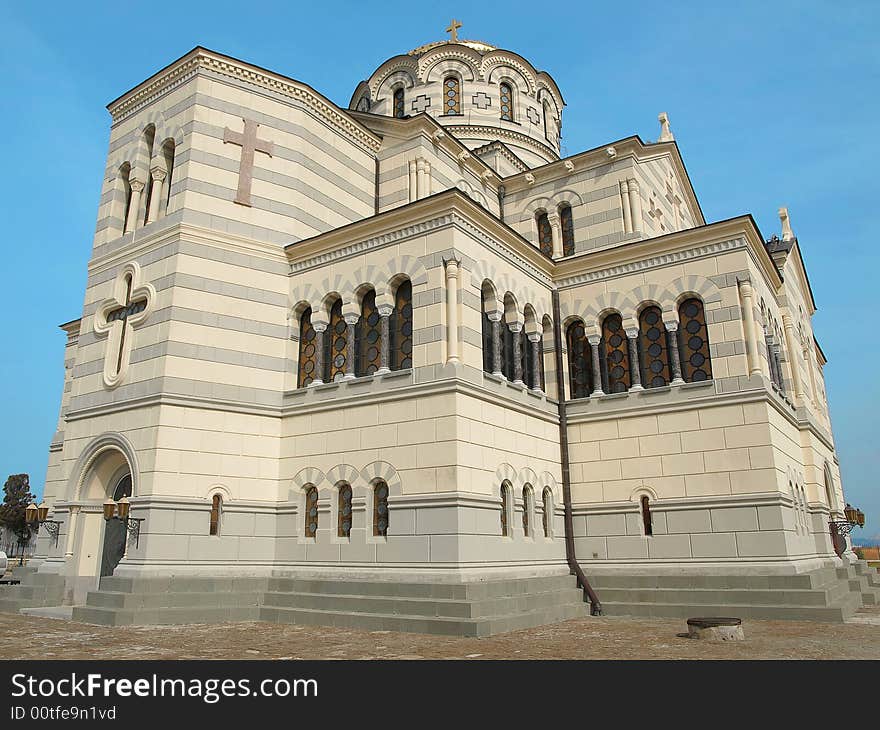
[
  {"x": 507, "y": 361},
  {"x": 310, "y": 526},
  {"x": 546, "y": 108},
  {"x": 567, "y": 224},
  {"x": 399, "y": 106},
  {"x": 488, "y": 347},
  {"x": 527, "y": 510},
  {"x": 451, "y": 95},
  {"x": 308, "y": 350},
  {"x": 125, "y": 180},
  {"x": 216, "y": 509},
  {"x": 368, "y": 337},
  {"x": 647, "y": 522},
  {"x": 149, "y": 140},
  {"x": 616, "y": 356},
  {"x": 506, "y": 97},
  {"x": 380, "y": 509},
  {"x": 580, "y": 366},
  {"x": 168, "y": 152},
  {"x": 653, "y": 349},
  {"x": 696, "y": 364},
  {"x": 527, "y": 362},
  {"x": 548, "y": 511},
  {"x": 505, "y": 509},
  {"x": 336, "y": 344},
  {"x": 829, "y": 489},
  {"x": 545, "y": 233},
  {"x": 402, "y": 328},
  {"x": 343, "y": 511}
]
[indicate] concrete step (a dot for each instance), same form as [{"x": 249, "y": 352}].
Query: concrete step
[
  {"x": 163, "y": 616},
  {"x": 183, "y": 584},
  {"x": 56, "y": 612},
  {"x": 815, "y": 580},
  {"x": 709, "y": 596},
  {"x": 117, "y": 599}
]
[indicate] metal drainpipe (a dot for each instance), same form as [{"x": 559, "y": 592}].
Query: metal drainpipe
[{"x": 595, "y": 606}]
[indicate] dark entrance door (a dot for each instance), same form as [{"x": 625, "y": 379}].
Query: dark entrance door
[{"x": 114, "y": 545}]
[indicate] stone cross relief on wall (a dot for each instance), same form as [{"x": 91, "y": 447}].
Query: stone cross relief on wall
[{"x": 249, "y": 143}]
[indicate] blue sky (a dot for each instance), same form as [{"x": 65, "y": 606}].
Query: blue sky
[{"x": 772, "y": 103}]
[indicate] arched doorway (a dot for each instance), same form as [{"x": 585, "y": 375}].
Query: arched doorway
[{"x": 114, "y": 531}]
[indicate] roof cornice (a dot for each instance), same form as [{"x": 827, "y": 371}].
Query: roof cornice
[{"x": 200, "y": 59}]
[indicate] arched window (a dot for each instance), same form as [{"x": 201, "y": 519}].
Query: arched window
[
  {"x": 507, "y": 362},
  {"x": 487, "y": 335},
  {"x": 580, "y": 366},
  {"x": 653, "y": 349},
  {"x": 506, "y": 96},
  {"x": 615, "y": 355},
  {"x": 527, "y": 511},
  {"x": 402, "y": 328},
  {"x": 399, "y": 105},
  {"x": 505, "y": 509},
  {"x": 368, "y": 337},
  {"x": 380, "y": 509},
  {"x": 545, "y": 234},
  {"x": 308, "y": 350},
  {"x": 125, "y": 180},
  {"x": 168, "y": 153},
  {"x": 546, "y": 108},
  {"x": 548, "y": 511},
  {"x": 567, "y": 224},
  {"x": 696, "y": 364},
  {"x": 343, "y": 511},
  {"x": 123, "y": 488},
  {"x": 451, "y": 95},
  {"x": 149, "y": 139},
  {"x": 336, "y": 344},
  {"x": 310, "y": 527},
  {"x": 829, "y": 489},
  {"x": 646, "y": 515},
  {"x": 216, "y": 510},
  {"x": 527, "y": 362}
]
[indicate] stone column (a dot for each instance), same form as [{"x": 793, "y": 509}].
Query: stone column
[
  {"x": 674, "y": 357},
  {"x": 72, "y": 519},
  {"x": 452, "y": 310},
  {"x": 516, "y": 329},
  {"x": 385, "y": 344},
  {"x": 137, "y": 187},
  {"x": 793, "y": 349},
  {"x": 634, "y": 370},
  {"x": 556, "y": 232},
  {"x": 413, "y": 189},
  {"x": 594, "y": 341},
  {"x": 635, "y": 204},
  {"x": 320, "y": 329},
  {"x": 495, "y": 319},
  {"x": 351, "y": 321},
  {"x": 624, "y": 203},
  {"x": 158, "y": 174},
  {"x": 420, "y": 179},
  {"x": 535, "y": 342},
  {"x": 754, "y": 359}
]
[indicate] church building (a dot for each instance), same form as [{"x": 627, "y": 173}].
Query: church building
[{"x": 402, "y": 365}]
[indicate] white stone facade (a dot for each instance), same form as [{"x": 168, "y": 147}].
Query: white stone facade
[{"x": 183, "y": 369}]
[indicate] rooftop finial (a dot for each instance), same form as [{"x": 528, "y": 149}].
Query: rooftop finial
[
  {"x": 787, "y": 233},
  {"x": 665, "y": 131},
  {"x": 453, "y": 30}
]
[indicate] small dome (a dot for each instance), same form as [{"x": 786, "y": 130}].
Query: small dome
[{"x": 480, "y": 92}]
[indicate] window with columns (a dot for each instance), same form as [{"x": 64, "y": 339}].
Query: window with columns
[
  {"x": 402, "y": 328},
  {"x": 336, "y": 344},
  {"x": 566, "y": 222},
  {"x": 506, "y": 98},
  {"x": 615, "y": 354},
  {"x": 343, "y": 511},
  {"x": 368, "y": 337},
  {"x": 506, "y": 500},
  {"x": 216, "y": 510},
  {"x": 452, "y": 95},
  {"x": 399, "y": 105},
  {"x": 527, "y": 510},
  {"x": 548, "y": 511},
  {"x": 310, "y": 519},
  {"x": 580, "y": 367},
  {"x": 653, "y": 348},
  {"x": 545, "y": 233},
  {"x": 696, "y": 364},
  {"x": 380, "y": 509},
  {"x": 308, "y": 349}
]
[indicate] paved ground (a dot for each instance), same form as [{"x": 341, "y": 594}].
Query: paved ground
[{"x": 27, "y": 637}]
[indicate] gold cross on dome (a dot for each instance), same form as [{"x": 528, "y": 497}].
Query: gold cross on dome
[{"x": 453, "y": 29}]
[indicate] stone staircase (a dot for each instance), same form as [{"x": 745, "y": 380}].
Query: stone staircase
[
  {"x": 35, "y": 590},
  {"x": 828, "y": 594},
  {"x": 172, "y": 600},
  {"x": 460, "y": 609}
]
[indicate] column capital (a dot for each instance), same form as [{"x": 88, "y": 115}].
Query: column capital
[
  {"x": 671, "y": 325},
  {"x": 451, "y": 265},
  {"x": 553, "y": 217},
  {"x": 351, "y": 318},
  {"x": 320, "y": 326},
  {"x": 137, "y": 185},
  {"x": 534, "y": 336},
  {"x": 158, "y": 172},
  {"x": 494, "y": 316},
  {"x": 594, "y": 340},
  {"x": 624, "y": 186},
  {"x": 385, "y": 310},
  {"x": 633, "y": 184},
  {"x": 515, "y": 327},
  {"x": 631, "y": 333},
  {"x": 745, "y": 287}
]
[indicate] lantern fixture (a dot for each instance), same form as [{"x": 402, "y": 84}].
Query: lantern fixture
[
  {"x": 853, "y": 518},
  {"x": 37, "y": 516},
  {"x": 121, "y": 510}
]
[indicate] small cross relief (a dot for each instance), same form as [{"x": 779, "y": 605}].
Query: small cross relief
[
  {"x": 117, "y": 317},
  {"x": 420, "y": 103},
  {"x": 533, "y": 115},
  {"x": 249, "y": 143},
  {"x": 482, "y": 101}
]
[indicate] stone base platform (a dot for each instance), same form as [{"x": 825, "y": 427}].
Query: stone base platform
[{"x": 35, "y": 590}]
